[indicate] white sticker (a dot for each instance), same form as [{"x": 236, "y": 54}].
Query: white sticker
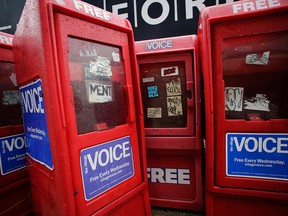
[
  {"x": 234, "y": 98},
  {"x": 148, "y": 79},
  {"x": 154, "y": 112},
  {"x": 174, "y": 106},
  {"x": 260, "y": 102},
  {"x": 173, "y": 87},
  {"x": 258, "y": 60},
  {"x": 99, "y": 93},
  {"x": 115, "y": 57},
  {"x": 169, "y": 71},
  {"x": 13, "y": 79}
]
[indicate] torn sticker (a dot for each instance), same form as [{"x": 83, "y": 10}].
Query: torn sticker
[
  {"x": 234, "y": 98},
  {"x": 258, "y": 60},
  {"x": 260, "y": 103},
  {"x": 152, "y": 91},
  {"x": 173, "y": 87},
  {"x": 154, "y": 112},
  {"x": 169, "y": 71},
  {"x": 174, "y": 106}
]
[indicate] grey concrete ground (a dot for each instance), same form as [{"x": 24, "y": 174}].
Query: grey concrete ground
[{"x": 170, "y": 212}]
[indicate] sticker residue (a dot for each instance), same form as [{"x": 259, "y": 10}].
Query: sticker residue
[
  {"x": 154, "y": 112},
  {"x": 101, "y": 67},
  {"x": 258, "y": 60}
]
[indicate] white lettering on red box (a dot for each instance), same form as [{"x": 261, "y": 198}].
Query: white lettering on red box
[
  {"x": 168, "y": 175},
  {"x": 154, "y": 45},
  {"x": 91, "y": 10},
  {"x": 253, "y": 6},
  {"x": 6, "y": 40}
]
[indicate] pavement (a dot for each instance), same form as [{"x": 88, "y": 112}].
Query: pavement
[{"x": 173, "y": 212}]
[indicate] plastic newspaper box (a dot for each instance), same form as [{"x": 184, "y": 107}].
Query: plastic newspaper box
[
  {"x": 76, "y": 67},
  {"x": 244, "y": 62},
  {"x": 170, "y": 87}
]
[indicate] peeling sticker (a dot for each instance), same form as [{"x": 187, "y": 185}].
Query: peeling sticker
[
  {"x": 154, "y": 112},
  {"x": 152, "y": 91},
  {"x": 260, "y": 103},
  {"x": 173, "y": 87},
  {"x": 174, "y": 105},
  {"x": 258, "y": 60},
  {"x": 234, "y": 98},
  {"x": 169, "y": 71},
  {"x": 148, "y": 79}
]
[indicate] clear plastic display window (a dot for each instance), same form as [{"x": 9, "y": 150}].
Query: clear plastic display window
[
  {"x": 255, "y": 74},
  {"x": 10, "y": 106},
  {"x": 97, "y": 78},
  {"x": 164, "y": 94}
]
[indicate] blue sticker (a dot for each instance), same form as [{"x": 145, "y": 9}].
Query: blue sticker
[
  {"x": 257, "y": 155},
  {"x": 12, "y": 153},
  {"x": 106, "y": 165},
  {"x": 152, "y": 91},
  {"x": 35, "y": 124}
]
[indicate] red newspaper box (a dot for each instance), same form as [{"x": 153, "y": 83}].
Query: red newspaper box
[
  {"x": 244, "y": 58},
  {"x": 76, "y": 68},
  {"x": 15, "y": 195},
  {"x": 170, "y": 87}
]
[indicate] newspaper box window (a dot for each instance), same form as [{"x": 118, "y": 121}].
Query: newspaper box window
[
  {"x": 97, "y": 78},
  {"x": 164, "y": 94},
  {"x": 10, "y": 99},
  {"x": 255, "y": 76}
]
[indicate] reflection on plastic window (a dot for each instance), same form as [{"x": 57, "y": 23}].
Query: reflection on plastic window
[
  {"x": 10, "y": 107},
  {"x": 255, "y": 75},
  {"x": 98, "y": 78}
]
